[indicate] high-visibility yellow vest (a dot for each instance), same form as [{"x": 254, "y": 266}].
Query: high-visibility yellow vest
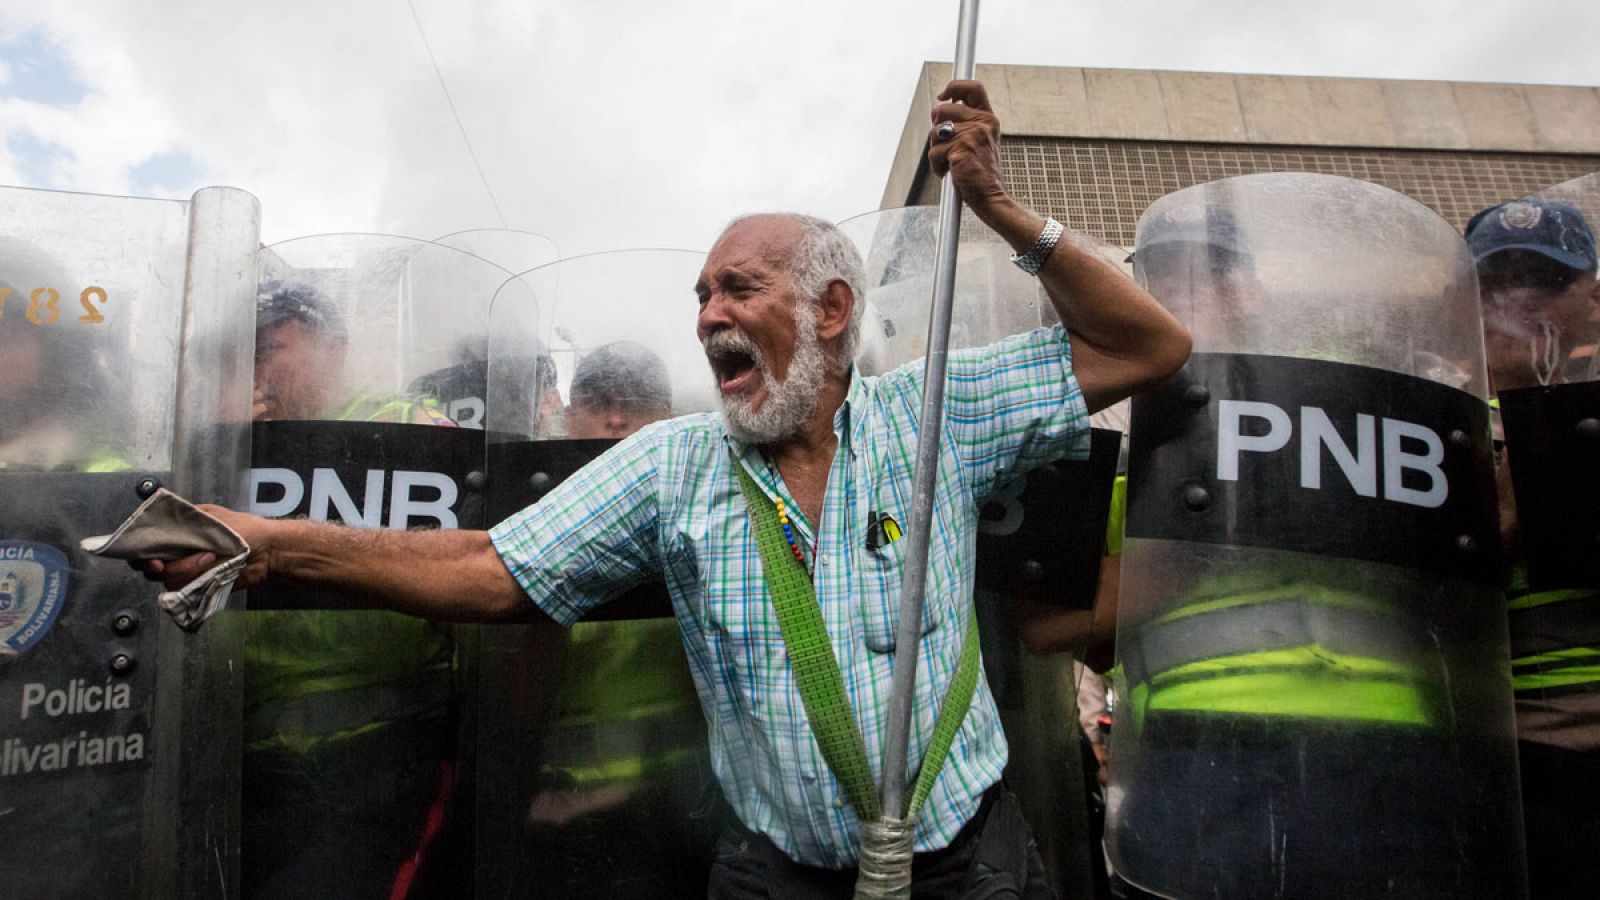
[
  {"x": 317, "y": 677},
  {"x": 1265, "y": 646},
  {"x": 1245, "y": 646},
  {"x": 1555, "y": 638},
  {"x": 627, "y": 708},
  {"x": 1555, "y": 654}
]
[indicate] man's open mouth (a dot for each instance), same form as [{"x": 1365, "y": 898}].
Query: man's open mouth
[{"x": 735, "y": 367}]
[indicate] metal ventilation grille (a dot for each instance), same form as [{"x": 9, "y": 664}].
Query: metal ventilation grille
[{"x": 1101, "y": 187}]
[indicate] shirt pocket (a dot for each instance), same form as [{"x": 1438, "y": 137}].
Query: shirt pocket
[{"x": 882, "y": 576}]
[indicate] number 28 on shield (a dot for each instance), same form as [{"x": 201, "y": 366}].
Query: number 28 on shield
[{"x": 43, "y": 305}]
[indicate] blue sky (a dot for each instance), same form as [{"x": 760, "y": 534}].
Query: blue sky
[
  {"x": 628, "y": 123},
  {"x": 37, "y": 70}
]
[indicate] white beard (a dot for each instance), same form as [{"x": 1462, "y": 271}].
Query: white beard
[{"x": 789, "y": 402}]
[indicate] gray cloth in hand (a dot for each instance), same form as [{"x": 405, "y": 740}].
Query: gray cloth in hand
[{"x": 167, "y": 526}]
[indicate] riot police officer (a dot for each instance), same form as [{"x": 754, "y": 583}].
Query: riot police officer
[
  {"x": 623, "y": 753},
  {"x": 349, "y": 727},
  {"x": 1536, "y": 270},
  {"x": 1299, "y": 713}
]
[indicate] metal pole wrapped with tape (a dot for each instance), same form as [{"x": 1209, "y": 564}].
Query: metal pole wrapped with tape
[{"x": 886, "y": 846}]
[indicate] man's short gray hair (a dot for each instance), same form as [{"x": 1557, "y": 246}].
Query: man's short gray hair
[
  {"x": 623, "y": 374},
  {"x": 823, "y": 256}
]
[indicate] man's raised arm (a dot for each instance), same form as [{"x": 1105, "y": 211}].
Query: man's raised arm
[
  {"x": 444, "y": 575},
  {"x": 1122, "y": 340}
]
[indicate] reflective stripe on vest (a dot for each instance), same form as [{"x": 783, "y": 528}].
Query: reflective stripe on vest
[
  {"x": 98, "y": 465},
  {"x": 1554, "y": 636},
  {"x": 326, "y": 713},
  {"x": 401, "y": 411},
  {"x": 1565, "y": 668},
  {"x": 627, "y": 750},
  {"x": 627, "y": 706},
  {"x": 1117, "y": 516},
  {"x": 1295, "y": 650}
]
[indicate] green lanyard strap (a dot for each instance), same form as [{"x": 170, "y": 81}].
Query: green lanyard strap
[{"x": 817, "y": 676}]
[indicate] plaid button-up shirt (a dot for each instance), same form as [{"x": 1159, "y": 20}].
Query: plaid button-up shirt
[{"x": 666, "y": 503}]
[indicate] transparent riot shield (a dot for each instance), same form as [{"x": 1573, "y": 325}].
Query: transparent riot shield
[
  {"x": 1541, "y": 320},
  {"x": 1041, "y": 537},
  {"x": 1313, "y": 695},
  {"x": 124, "y": 327},
  {"x": 370, "y": 377},
  {"x": 514, "y": 251},
  {"x": 592, "y": 769},
  {"x": 1536, "y": 277}
]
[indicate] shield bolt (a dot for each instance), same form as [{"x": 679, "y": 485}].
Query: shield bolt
[
  {"x": 1197, "y": 395},
  {"x": 476, "y": 480},
  {"x": 147, "y": 487},
  {"x": 540, "y": 481},
  {"x": 125, "y": 623},
  {"x": 1466, "y": 543},
  {"x": 1589, "y": 428},
  {"x": 121, "y": 664},
  {"x": 1032, "y": 571},
  {"x": 1196, "y": 498},
  {"x": 1458, "y": 438}
]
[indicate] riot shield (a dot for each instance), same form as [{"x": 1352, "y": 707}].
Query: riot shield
[
  {"x": 1541, "y": 322},
  {"x": 370, "y": 378},
  {"x": 592, "y": 767},
  {"x": 1313, "y": 698},
  {"x": 514, "y": 251},
  {"x": 1536, "y": 277},
  {"x": 124, "y": 331},
  {"x": 1040, "y": 537}
]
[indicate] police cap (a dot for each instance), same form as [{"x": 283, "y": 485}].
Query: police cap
[{"x": 1548, "y": 227}]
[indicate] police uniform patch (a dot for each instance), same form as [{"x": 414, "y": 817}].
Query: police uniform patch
[
  {"x": 33, "y": 586},
  {"x": 1520, "y": 215}
]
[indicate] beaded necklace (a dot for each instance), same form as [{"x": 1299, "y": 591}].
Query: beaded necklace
[{"x": 783, "y": 518}]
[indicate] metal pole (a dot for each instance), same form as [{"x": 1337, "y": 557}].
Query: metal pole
[{"x": 909, "y": 633}]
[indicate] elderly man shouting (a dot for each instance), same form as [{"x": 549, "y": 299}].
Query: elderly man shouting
[{"x": 780, "y": 305}]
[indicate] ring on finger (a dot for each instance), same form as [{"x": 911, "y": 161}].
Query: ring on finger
[{"x": 945, "y": 131}]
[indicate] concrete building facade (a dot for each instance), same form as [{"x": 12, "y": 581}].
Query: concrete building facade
[{"x": 1094, "y": 147}]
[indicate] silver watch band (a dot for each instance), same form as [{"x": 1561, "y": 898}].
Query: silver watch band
[{"x": 1032, "y": 261}]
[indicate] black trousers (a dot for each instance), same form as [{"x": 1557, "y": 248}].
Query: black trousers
[
  {"x": 993, "y": 856},
  {"x": 348, "y": 822}
]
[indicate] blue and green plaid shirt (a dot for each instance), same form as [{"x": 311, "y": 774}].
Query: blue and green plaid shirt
[{"x": 666, "y": 503}]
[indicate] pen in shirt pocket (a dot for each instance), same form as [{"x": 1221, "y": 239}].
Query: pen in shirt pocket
[{"x": 882, "y": 530}]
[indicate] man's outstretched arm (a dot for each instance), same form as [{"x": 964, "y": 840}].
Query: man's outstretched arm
[
  {"x": 1122, "y": 339},
  {"x": 445, "y": 575}
]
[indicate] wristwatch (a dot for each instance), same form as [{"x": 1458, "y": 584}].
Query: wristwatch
[{"x": 1032, "y": 261}]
